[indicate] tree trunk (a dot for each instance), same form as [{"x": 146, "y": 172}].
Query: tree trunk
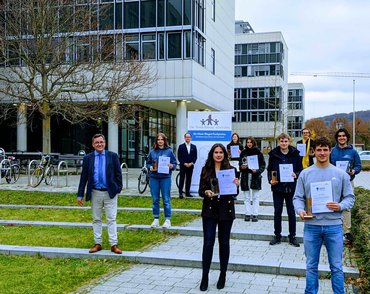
[{"x": 46, "y": 142}]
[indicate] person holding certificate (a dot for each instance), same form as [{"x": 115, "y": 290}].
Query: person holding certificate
[
  {"x": 218, "y": 184},
  {"x": 161, "y": 162},
  {"x": 234, "y": 148},
  {"x": 345, "y": 156},
  {"x": 323, "y": 191},
  {"x": 283, "y": 169},
  {"x": 306, "y": 147},
  {"x": 251, "y": 164}
]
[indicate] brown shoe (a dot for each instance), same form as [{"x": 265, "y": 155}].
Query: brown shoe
[
  {"x": 115, "y": 249},
  {"x": 96, "y": 248}
]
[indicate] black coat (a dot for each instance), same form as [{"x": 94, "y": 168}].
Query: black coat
[
  {"x": 221, "y": 208},
  {"x": 276, "y": 157},
  {"x": 256, "y": 181},
  {"x": 184, "y": 157}
]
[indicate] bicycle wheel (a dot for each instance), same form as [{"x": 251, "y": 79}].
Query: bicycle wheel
[
  {"x": 37, "y": 176},
  {"x": 142, "y": 181},
  {"x": 178, "y": 180},
  {"x": 49, "y": 175},
  {"x": 14, "y": 174}
]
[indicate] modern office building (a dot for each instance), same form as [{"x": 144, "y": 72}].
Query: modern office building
[
  {"x": 295, "y": 110},
  {"x": 261, "y": 84},
  {"x": 189, "y": 43}
]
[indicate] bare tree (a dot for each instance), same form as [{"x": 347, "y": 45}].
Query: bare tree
[{"x": 53, "y": 61}]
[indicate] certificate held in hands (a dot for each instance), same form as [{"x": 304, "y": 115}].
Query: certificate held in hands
[
  {"x": 321, "y": 194},
  {"x": 226, "y": 183}
]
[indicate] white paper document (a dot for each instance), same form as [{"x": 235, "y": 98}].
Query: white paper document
[
  {"x": 286, "y": 171},
  {"x": 234, "y": 151},
  {"x": 321, "y": 194},
  {"x": 302, "y": 149},
  {"x": 235, "y": 163},
  {"x": 163, "y": 162},
  {"x": 225, "y": 182},
  {"x": 342, "y": 164},
  {"x": 253, "y": 162}
]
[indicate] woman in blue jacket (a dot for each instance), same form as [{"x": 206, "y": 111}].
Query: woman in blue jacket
[{"x": 160, "y": 180}]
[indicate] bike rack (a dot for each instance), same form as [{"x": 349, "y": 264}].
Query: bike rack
[
  {"x": 62, "y": 164},
  {"x": 5, "y": 169},
  {"x": 125, "y": 173},
  {"x": 32, "y": 162}
]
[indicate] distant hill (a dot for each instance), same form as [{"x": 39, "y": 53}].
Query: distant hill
[{"x": 364, "y": 114}]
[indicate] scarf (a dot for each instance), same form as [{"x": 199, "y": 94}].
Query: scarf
[{"x": 306, "y": 159}]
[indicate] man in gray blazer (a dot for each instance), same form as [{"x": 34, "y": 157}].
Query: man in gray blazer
[{"x": 102, "y": 177}]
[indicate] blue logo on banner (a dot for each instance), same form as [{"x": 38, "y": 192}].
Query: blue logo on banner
[{"x": 205, "y": 135}]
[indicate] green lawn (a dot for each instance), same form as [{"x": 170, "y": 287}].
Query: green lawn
[
  {"x": 35, "y": 274},
  {"x": 69, "y": 199}
]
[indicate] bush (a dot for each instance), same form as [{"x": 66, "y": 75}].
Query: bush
[{"x": 361, "y": 232}]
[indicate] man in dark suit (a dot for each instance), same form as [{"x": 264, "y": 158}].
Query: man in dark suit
[
  {"x": 187, "y": 155},
  {"x": 101, "y": 172}
]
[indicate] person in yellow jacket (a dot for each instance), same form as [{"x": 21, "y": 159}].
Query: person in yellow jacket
[{"x": 308, "y": 145}]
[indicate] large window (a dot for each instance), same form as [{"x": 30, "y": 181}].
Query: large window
[
  {"x": 174, "y": 45},
  {"x": 147, "y": 13},
  {"x": 174, "y": 12},
  {"x": 132, "y": 47},
  {"x": 131, "y": 15},
  {"x": 148, "y": 46}
]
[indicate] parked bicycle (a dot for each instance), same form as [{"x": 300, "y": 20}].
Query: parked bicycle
[
  {"x": 144, "y": 177},
  {"x": 10, "y": 169},
  {"x": 43, "y": 171}
]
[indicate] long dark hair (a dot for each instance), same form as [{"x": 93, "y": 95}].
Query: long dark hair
[
  {"x": 155, "y": 145},
  {"x": 209, "y": 166},
  {"x": 253, "y": 140}
]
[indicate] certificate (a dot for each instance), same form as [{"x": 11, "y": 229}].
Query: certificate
[
  {"x": 321, "y": 194},
  {"x": 253, "y": 162},
  {"x": 342, "y": 164},
  {"x": 302, "y": 149},
  {"x": 234, "y": 151},
  {"x": 225, "y": 182},
  {"x": 163, "y": 162},
  {"x": 286, "y": 171}
]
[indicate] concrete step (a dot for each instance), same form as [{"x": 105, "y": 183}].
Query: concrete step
[{"x": 236, "y": 263}]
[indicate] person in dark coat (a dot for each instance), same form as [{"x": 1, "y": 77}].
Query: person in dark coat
[
  {"x": 216, "y": 211},
  {"x": 187, "y": 155},
  {"x": 234, "y": 160},
  {"x": 282, "y": 158},
  {"x": 251, "y": 179}
]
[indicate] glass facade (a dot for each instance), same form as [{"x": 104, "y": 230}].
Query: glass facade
[
  {"x": 295, "y": 102},
  {"x": 259, "y": 59},
  {"x": 257, "y": 104},
  {"x": 175, "y": 27}
]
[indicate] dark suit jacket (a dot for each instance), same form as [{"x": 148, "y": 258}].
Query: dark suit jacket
[
  {"x": 185, "y": 157},
  {"x": 113, "y": 173}
]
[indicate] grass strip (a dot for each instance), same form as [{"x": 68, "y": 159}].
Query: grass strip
[
  {"x": 69, "y": 199},
  {"x": 136, "y": 240},
  {"x": 35, "y": 274},
  {"x": 65, "y": 215}
]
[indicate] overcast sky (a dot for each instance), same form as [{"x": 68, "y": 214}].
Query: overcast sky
[{"x": 328, "y": 36}]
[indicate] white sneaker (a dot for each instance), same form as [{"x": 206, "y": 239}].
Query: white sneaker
[
  {"x": 155, "y": 223},
  {"x": 166, "y": 224}
]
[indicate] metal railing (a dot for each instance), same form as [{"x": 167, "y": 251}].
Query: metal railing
[
  {"x": 124, "y": 170},
  {"x": 62, "y": 168}
]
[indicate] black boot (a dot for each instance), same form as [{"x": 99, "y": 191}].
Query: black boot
[
  {"x": 204, "y": 283},
  {"x": 221, "y": 281}
]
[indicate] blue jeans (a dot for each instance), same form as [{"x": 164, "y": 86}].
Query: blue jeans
[
  {"x": 163, "y": 186},
  {"x": 209, "y": 237},
  {"x": 314, "y": 237}
]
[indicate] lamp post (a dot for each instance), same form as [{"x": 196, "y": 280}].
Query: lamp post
[{"x": 354, "y": 116}]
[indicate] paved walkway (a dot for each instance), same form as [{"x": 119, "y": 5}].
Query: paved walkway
[{"x": 175, "y": 266}]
